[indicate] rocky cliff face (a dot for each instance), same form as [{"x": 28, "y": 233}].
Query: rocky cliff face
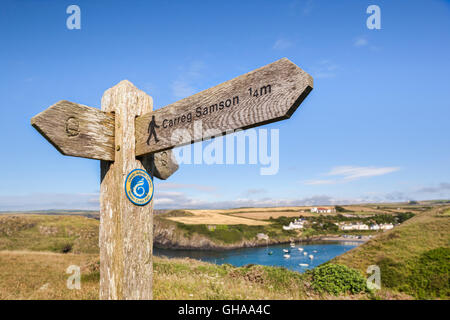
[{"x": 167, "y": 236}]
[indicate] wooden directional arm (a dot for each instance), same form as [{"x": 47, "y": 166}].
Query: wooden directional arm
[
  {"x": 262, "y": 96},
  {"x": 77, "y": 130},
  {"x": 81, "y": 131}
]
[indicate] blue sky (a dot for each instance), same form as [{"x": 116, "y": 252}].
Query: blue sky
[{"x": 375, "y": 127}]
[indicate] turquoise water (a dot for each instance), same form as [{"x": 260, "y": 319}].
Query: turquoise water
[{"x": 322, "y": 252}]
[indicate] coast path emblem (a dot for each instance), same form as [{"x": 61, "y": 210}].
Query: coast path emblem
[
  {"x": 127, "y": 134},
  {"x": 139, "y": 187}
]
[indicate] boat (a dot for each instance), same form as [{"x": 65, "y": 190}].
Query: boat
[
  {"x": 311, "y": 256},
  {"x": 314, "y": 251},
  {"x": 287, "y": 256},
  {"x": 285, "y": 250},
  {"x": 300, "y": 249},
  {"x": 303, "y": 264},
  {"x": 292, "y": 245},
  {"x": 305, "y": 253},
  {"x": 270, "y": 253}
]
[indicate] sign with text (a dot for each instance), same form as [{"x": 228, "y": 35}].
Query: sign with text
[
  {"x": 262, "y": 96},
  {"x": 133, "y": 143}
]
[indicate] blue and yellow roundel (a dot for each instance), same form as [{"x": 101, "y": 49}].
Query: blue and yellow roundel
[{"x": 139, "y": 187}]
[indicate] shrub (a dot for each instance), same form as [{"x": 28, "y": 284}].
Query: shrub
[
  {"x": 431, "y": 277},
  {"x": 342, "y": 209},
  {"x": 66, "y": 248},
  {"x": 425, "y": 277},
  {"x": 393, "y": 274},
  {"x": 337, "y": 279}
]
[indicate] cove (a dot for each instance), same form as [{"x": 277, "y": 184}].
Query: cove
[{"x": 298, "y": 261}]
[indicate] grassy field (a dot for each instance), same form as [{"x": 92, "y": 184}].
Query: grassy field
[
  {"x": 212, "y": 218},
  {"x": 52, "y": 233},
  {"x": 42, "y": 275},
  {"x": 36, "y": 249},
  {"x": 414, "y": 258},
  {"x": 266, "y": 215},
  {"x": 231, "y": 216}
]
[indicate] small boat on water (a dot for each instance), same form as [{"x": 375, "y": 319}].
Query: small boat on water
[
  {"x": 314, "y": 251},
  {"x": 300, "y": 249},
  {"x": 305, "y": 253},
  {"x": 286, "y": 256},
  {"x": 270, "y": 253},
  {"x": 285, "y": 250},
  {"x": 303, "y": 264},
  {"x": 292, "y": 245},
  {"x": 311, "y": 256}
]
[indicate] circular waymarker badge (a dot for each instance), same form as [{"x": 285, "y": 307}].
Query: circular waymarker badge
[{"x": 139, "y": 187}]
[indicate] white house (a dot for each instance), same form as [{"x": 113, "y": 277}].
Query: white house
[
  {"x": 386, "y": 226},
  {"x": 363, "y": 226},
  {"x": 262, "y": 236},
  {"x": 323, "y": 210},
  {"x": 354, "y": 226},
  {"x": 297, "y": 224}
]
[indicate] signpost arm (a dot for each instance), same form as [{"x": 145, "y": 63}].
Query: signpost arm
[{"x": 125, "y": 229}]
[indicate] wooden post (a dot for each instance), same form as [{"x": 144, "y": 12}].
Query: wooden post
[
  {"x": 125, "y": 229},
  {"x": 124, "y": 137}
]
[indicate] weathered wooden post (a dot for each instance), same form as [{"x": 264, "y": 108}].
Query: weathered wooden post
[
  {"x": 125, "y": 229},
  {"x": 130, "y": 140}
]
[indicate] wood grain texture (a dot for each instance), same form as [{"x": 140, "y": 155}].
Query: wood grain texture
[
  {"x": 125, "y": 229},
  {"x": 82, "y": 131},
  {"x": 163, "y": 164},
  {"x": 280, "y": 86},
  {"x": 77, "y": 130}
]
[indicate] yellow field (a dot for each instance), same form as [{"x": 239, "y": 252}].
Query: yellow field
[
  {"x": 265, "y": 215},
  {"x": 241, "y": 210},
  {"x": 42, "y": 275},
  {"x": 210, "y": 217}
]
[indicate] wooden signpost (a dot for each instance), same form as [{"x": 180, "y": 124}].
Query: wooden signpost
[{"x": 127, "y": 135}]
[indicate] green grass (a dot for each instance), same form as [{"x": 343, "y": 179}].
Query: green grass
[
  {"x": 230, "y": 234},
  {"x": 61, "y": 234},
  {"x": 413, "y": 257},
  {"x": 236, "y": 234},
  {"x": 175, "y": 213},
  {"x": 337, "y": 280}
]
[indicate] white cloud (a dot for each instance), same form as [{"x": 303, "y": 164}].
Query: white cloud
[
  {"x": 282, "y": 44},
  {"x": 442, "y": 188},
  {"x": 318, "y": 182},
  {"x": 182, "y": 89},
  {"x": 350, "y": 173},
  {"x": 42, "y": 201},
  {"x": 303, "y": 6},
  {"x": 183, "y": 86},
  {"x": 325, "y": 69},
  {"x": 198, "y": 187},
  {"x": 360, "y": 42},
  {"x": 254, "y": 192}
]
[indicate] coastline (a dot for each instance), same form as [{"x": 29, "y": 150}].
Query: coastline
[{"x": 209, "y": 245}]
